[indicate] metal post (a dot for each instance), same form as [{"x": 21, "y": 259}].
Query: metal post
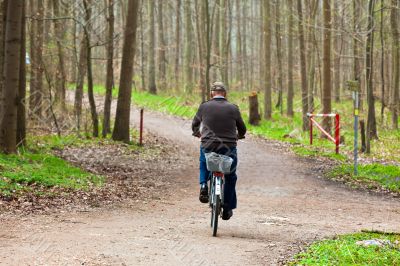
[
  {"x": 141, "y": 128},
  {"x": 337, "y": 132},
  {"x": 356, "y": 113},
  {"x": 311, "y": 130}
]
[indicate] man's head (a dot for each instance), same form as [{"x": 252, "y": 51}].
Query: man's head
[{"x": 218, "y": 89}]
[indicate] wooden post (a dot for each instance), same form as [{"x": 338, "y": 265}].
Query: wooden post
[
  {"x": 362, "y": 128},
  {"x": 254, "y": 114},
  {"x": 141, "y": 127}
]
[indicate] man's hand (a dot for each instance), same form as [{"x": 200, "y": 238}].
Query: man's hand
[
  {"x": 197, "y": 134},
  {"x": 241, "y": 137}
]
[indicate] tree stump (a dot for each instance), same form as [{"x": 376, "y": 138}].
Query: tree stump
[{"x": 254, "y": 114}]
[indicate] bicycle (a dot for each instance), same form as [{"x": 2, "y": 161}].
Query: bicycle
[{"x": 217, "y": 164}]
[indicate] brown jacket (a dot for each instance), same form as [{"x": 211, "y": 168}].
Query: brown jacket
[{"x": 220, "y": 121}]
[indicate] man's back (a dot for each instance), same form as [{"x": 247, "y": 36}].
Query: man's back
[{"x": 221, "y": 123}]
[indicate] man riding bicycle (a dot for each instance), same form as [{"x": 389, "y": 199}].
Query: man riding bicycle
[{"x": 219, "y": 124}]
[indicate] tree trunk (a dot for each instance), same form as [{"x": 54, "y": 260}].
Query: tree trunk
[
  {"x": 215, "y": 43},
  {"x": 267, "y": 56},
  {"x": 201, "y": 47},
  {"x": 303, "y": 66},
  {"x": 92, "y": 103},
  {"x": 61, "y": 73},
  {"x": 245, "y": 68},
  {"x": 110, "y": 70},
  {"x": 122, "y": 118},
  {"x": 21, "y": 98},
  {"x": 382, "y": 72},
  {"x": 312, "y": 51},
  {"x": 3, "y": 12},
  {"x": 162, "y": 46},
  {"x": 36, "y": 42},
  {"x": 39, "y": 92},
  {"x": 254, "y": 115},
  {"x": 239, "y": 57},
  {"x": 224, "y": 44},
  {"x": 337, "y": 52},
  {"x": 394, "y": 20},
  {"x": 371, "y": 120},
  {"x": 327, "y": 82},
  {"x": 177, "y": 43},
  {"x": 142, "y": 49},
  {"x": 8, "y": 120},
  {"x": 290, "y": 59},
  {"x": 278, "y": 33},
  {"x": 151, "y": 52},
  {"x": 188, "y": 57},
  {"x": 79, "y": 84},
  {"x": 356, "y": 45}
]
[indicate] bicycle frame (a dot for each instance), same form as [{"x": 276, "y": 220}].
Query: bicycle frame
[{"x": 216, "y": 185}]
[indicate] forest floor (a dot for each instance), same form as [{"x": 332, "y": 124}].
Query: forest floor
[{"x": 284, "y": 203}]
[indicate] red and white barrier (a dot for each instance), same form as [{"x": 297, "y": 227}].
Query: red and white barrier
[{"x": 335, "y": 139}]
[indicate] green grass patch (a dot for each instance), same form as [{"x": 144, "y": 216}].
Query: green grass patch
[
  {"x": 373, "y": 175},
  {"x": 21, "y": 172},
  {"x": 37, "y": 169},
  {"x": 343, "y": 250},
  {"x": 387, "y": 147}
]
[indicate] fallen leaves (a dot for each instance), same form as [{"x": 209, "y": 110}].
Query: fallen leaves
[{"x": 143, "y": 174}]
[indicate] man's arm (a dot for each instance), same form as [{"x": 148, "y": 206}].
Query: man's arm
[
  {"x": 241, "y": 127},
  {"x": 196, "y": 123}
]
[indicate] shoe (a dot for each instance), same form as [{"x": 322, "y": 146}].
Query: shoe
[
  {"x": 226, "y": 215},
  {"x": 203, "y": 193}
]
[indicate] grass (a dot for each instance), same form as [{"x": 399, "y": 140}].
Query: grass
[
  {"x": 373, "y": 175},
  {"x": 22, "y": 172},
  {"x": 288, "y": 129},
  {"x": 280, "y": 126},
  {"x": 37, "y": 169},
  {"x": 343, "y": 250}
]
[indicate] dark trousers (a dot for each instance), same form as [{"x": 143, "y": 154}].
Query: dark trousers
[{"x": 230, "y": 200}]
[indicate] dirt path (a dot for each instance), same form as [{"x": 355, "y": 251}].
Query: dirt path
[{"x": 281, "y": 205}]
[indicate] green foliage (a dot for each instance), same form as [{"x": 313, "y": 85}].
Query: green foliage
[
  {"x": 20, "y": 172},
  {"x": 173, "y": 105},
  {"x": 281, "y": 127},
  {"x": 343, "y": 250},
  {"x": 36, "y": 167},
  {"x": 306, "y": 151},
  {"x": 374, "y": 175}
]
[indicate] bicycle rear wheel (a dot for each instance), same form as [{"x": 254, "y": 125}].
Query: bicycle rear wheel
[{"x": 215, "y": 213}]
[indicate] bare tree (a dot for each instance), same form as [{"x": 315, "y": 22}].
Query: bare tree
[
  {"x": 267, "y": 56},
  {"x": 369, "y": 70},
  {"x": 92, "y": 103},
  {"x": 303, "y": 66},
  {"x": 151, "y": 55},
  {"x": 224, "y": 43},
  {"x": 394, "y": 20},
  {"x": 327, "y": 81},
  {"x": 278, "y": 33},
  {"x": 162, "y": 46},
  {"x": 110, "y": 70},
  {"x": 36, "y": 93},
  {"x": 188, "y": 43},
  {"x": 122, "y": 118},
  {"x": 177, "y": 42},
  {"x": 61, "y": 72},
  {"x": 8, "y": 120},
  {"x": 3, "y": 12},
  {"x": 290, "y": 59},
  {"x": 21, "y": 96}
]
